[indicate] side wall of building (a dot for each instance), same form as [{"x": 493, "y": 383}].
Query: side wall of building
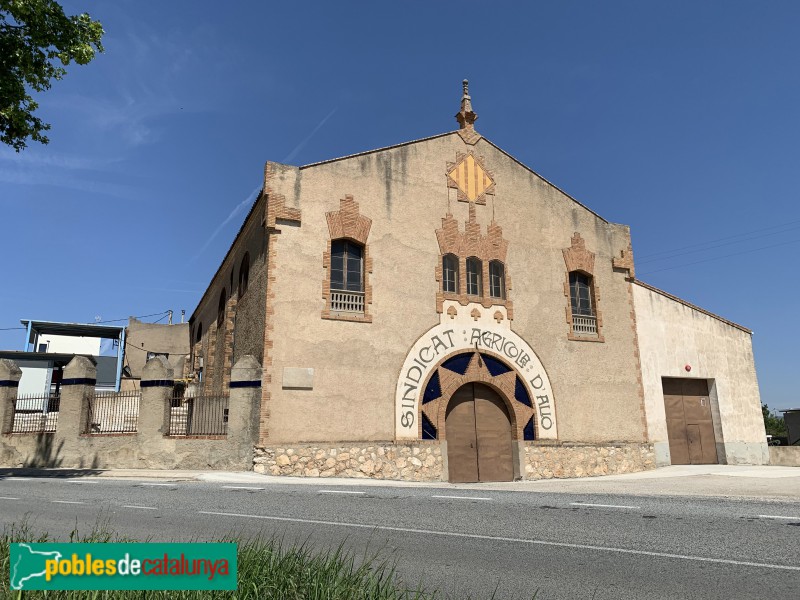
[
  {"x": 238, "y": 329},
  {"x": 673, "y": 335},
  {"x": 142, "y": 338}
]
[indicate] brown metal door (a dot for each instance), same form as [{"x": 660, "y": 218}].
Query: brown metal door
[
  {"x": 695, "y": 444},
  {"x": 462, "y": 443},
  {"x": 676, "y": 421},
  {"x": 478, "y": 436},
  {"x": 493, "y": 428},
  {"x": 690, "y": 426}
]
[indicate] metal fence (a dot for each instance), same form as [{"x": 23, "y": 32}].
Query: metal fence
[
  {"x": 113, "y": 412},
  {"x": 198, "y": 415},
  {"x": 35, "y": 413}
]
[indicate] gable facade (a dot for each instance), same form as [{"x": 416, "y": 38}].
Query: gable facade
[{"x": 392, "y": 292}]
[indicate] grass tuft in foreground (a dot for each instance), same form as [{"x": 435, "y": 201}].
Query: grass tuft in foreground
[{"x": 267, "y": 569}]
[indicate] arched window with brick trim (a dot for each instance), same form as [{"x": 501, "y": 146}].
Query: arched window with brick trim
[
  {"x": 221, "y": 309},
  {"x": 450, "y": 273},
  {"x": 347, "y": 276},
  {"x": 497, "y": 279},
  {"x": 244, "y": 274},
  {"x": 474, "y": 276},
  {"x": 581, "y": 299}
]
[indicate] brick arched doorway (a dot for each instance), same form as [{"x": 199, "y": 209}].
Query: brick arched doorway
[{"x": 479, "y": 435}]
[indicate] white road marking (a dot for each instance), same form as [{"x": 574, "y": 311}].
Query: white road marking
[
  {"x": 142, "y": 507},
  {"x": 158, "y": 484},
  {"x": 339, "y": 492},
  {"x": 8, "y": 498},
  {"x": 476, "y": 536},
  {"x": 240, "y": 487},
  {"x": 78, "y": 481},
  {"x": 461, "y": 497},
  {"x": 778, "y": 517},
  {"x": 18, "y": 479},
  {"x": 66, "y": 502},
  {"x": 605, "y": 505}
]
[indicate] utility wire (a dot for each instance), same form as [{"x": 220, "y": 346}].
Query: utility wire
[
  {"x": 712, "y": 247},
  {"x": 783, "y": 227},
  {"x": 697, "y": 262},
  {"x": 163, "y": 312}
]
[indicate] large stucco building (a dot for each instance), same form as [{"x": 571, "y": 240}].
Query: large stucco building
[{"x": 438, "y": 310}]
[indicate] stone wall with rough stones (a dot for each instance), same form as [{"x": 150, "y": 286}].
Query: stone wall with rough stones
[
  {"x": 412, "y": 462},
  {"x": 555, "y": 460}
]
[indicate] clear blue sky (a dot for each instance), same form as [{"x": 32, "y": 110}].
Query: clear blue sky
[{"x": 677, "y": 118}]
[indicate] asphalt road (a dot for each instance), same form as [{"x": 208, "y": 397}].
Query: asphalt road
[{"x": 462, "y": 542}]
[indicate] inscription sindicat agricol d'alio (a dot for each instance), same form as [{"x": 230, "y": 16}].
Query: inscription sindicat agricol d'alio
[{"x": 478, "y": 338}]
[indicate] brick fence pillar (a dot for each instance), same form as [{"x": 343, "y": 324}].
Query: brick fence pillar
[
  {"x": 80, "y": 377},
  {"x": 10, "y": 375},
  {"x": 154, "y": 405},
  {"x": 245, "y": 396}
]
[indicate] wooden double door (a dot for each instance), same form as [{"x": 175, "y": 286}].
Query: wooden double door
[
  {"x": 479, "y": 442},
  {"x": 690, "y": 427}
]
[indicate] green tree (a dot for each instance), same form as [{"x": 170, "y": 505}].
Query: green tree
[
  {"x": 37, "y": 40},
  {"x": 774, "y": 424}
]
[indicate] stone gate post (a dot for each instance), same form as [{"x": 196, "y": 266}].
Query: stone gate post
[
  {"x": 154, "y": 406},
  {"x": 10, "y": 375},
  {"x": 80, "y": 377},
  {"x": 245, "y": 396}
]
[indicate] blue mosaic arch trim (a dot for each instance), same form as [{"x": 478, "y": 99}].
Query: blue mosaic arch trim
[
  {"x": 494, "y": 366},
  {"x": 433, "y": 390},
  {"x": 429, "y": 431},
  {"x": 459, "y": 363},
  {"x": 528, "y": 433},
  {"x": 521, "y": 394}
]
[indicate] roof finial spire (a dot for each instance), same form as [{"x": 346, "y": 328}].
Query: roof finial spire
[{"x": 466, "y": 116}]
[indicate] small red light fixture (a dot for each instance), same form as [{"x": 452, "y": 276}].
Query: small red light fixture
[{"x": 688, "y": 368}]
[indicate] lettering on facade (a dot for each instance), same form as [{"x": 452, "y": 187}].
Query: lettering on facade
[
  {"x": 442, "y": 341},
  {"x": 416, "y": 374}
]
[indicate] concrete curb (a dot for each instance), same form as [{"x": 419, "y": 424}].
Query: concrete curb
[{"x": 731, "y": 481}]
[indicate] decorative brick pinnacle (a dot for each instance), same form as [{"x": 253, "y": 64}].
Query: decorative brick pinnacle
[{"x": 466, "y": 117}]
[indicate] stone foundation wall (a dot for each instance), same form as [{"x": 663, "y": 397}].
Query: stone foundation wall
[
  {"x": 548, "y": 460},
  {"x": 415, "y": 461},
  {"x": 784, "y": 456}
]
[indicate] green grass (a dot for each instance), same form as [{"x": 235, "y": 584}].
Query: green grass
[{"x": 267, "y": 569}]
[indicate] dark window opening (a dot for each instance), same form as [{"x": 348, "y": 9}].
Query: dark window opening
[
  {"x": 347, "y": 266},
  {"x": 221, "y": 310},
  {"x": 474, "y": 276},
  {"x": 450, "y": 273},
  {"x": 497, "y": 279},
  {"x": 244, "y": 274},
  {"x": 580, "y": 293}
]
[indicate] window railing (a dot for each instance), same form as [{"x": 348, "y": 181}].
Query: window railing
[
  {"x": 35, "y": 414},
  {"x": 347, "y": 302},
  {"x": 583, "y": 325}
]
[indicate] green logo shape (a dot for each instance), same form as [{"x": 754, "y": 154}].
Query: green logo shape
[{"x": 133, "y": 566}]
